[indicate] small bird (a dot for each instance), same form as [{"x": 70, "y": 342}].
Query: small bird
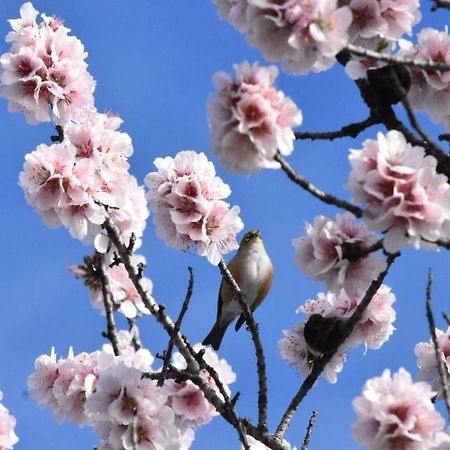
[{"x": 252, "y": 269}]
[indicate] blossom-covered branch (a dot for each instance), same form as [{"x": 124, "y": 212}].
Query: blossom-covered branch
[{"x": 320, "y": 364}]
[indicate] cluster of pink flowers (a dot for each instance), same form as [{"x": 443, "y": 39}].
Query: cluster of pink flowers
[
  {"x": 403, "y": 194},
  {"x": 8, "y": 437},
  {"x": 331, "y": 250},
  {"x": 45, "y": 68},
  {"x": 250, "y": 120},
  {"x": 187, "y": 199},
  {"x": 426, "y": 359},
  {"x": 430, "y": 90},
  {"x": 395, "y": 412},
  {"x": 306, "y": 35},
  {"x": 113, "y": 395},
  {"x": 80, "y": 182},
  {"x": 373, "y": 330}
]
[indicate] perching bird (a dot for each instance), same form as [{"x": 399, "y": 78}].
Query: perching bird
[{"x": 252, "y": 269}]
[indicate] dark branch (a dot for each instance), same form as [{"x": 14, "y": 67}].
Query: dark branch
[
  {"x": 320, "y": 364},
  {"x": 412, "y": 118},
  {"x": 316, "y": 192},
  {"x": 260, "y": 359},
  {"x": 443, "y": 374},
  {"x": 134, "y": 331},
  {"x": 176, "y": 329},
  {"x": 111, "y": 333},
  {"x": 309, "y": 428},
  {"x": 351, "y": 130},
  {"x": 440, "y": 4}
]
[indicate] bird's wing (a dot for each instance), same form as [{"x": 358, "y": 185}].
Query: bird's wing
[{"x": 264, "y": 289}]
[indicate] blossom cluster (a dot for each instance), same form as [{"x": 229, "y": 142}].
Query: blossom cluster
[
  {"x": 403, "y": 194},
  {"x": 250, "y": 120},
  {"x": 112, "y": 394},
  {"x": 426, "y": 359},
  {"x": 395, "y": 412},
  {"x": 8, "y": 437},
  {"x": 44, "y": 68},
  {"x": 326, "y": 316},
  {"x": 332, "y": 251},
  {"x": 83, "y": 180},
  {"x": 186, "y": 197},
  {"x": 307, "y": 35},
  {"x": 430, "y": 89}
]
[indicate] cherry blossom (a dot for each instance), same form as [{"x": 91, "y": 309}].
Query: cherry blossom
[
  {"x": 303, "y": 35},
  {"x": 8, "y": 437},
  {"x": 426, "y": 359},
  {"x": 186, "y": 197},
  {"x": 250, "y": 120},
  {"x": 45, "y": 67},
  {"x": 330, "y": 252},
  {"x": 403, "y": 194},
  {"x": 325, "y": 319},
  {"x": 395, "y": 412},
  {"x": 295, "y": 350},
  {"x": 83, "y": 180},
  {"x": 430, "y": 90}
]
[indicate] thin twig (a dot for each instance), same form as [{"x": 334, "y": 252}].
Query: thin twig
[
  {"x": 440, "y": 4},
  {"x": 176, "y": 329},
  {"x": 443, "y": 374},
  {"x": 316, "y": 192},
  {"x": 320, "y": 364},
  {"x": 260, "y": 359},
  {"x": 134, "y": 331},
  {"x": 412, "y": 118},
  {"x": 429, "y": 65},
  {"x": 111, "y": 333},
  {"x": 309, "y": 428},
  {"x": 446, "y": 318},
  {"x": 351, "y": 130}
]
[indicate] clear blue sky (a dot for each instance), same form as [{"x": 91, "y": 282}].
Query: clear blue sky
[{"x": 153, "y": 62}]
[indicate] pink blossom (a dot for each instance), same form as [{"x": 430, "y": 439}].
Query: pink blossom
[
  {"x": 186, "y": 197},
  {"x": 329, "y": 252},
  {"x": 394, "y": 412},
  {"x": 45, "y": 67},
  {"x": 430, "y": 90},
  {"x": 295, "y": 350},
  {"x": 74, "y": 182},
  {"x": 303, "y": 35},
  {"x": 8, "y": 437},
  {"x": 250, "y": 120},
  {"x": 65, "y": 384},
  {"x": 403, "y": 194},
  {"x": 426, "y": 359}
]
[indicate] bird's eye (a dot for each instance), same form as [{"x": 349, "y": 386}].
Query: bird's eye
[{"x": 247, "y": 237}]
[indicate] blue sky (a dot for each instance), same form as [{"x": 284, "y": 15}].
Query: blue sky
[{"x": 153, "y": 62}]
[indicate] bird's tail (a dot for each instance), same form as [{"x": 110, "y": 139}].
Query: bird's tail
[{"x": 216, "y": 334}]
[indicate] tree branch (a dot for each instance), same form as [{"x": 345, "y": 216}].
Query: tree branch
[
  {"x": 428, "y": 65},
  {"x": 309, "y": 428},
  {"x": 254, "y": 331},
  {"x": 111, "y": 332},
  {"x": 316, "y": 192},
  {"x": 443, "y": 373},
  {"x": 320, "y": 364},
  {"x": 440, "y": 4},
  {"x": 176, "y": 329},
  {"x": 351, "y": 130}
]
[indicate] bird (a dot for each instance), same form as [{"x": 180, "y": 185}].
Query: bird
[{"x": 253, "y": 271}]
